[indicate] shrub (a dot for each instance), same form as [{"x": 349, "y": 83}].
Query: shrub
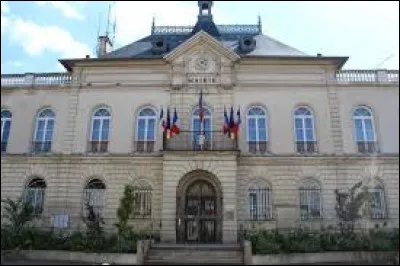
[{"x": 306, "y": 242}]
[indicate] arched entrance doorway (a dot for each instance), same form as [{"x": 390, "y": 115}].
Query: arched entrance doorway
[{"x": 199, "y": 209}]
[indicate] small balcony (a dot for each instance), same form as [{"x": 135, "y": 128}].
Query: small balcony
[{"x": 200, "y": 141}]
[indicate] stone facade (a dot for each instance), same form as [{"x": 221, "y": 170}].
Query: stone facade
[{"x": 277, "y": 85}]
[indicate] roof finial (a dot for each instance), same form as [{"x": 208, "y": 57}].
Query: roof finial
[
  {"x": 259, "y": 24},
  {"x": 153, "y": 25}
]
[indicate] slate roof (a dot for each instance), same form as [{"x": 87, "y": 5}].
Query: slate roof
[{"x": 265, "y": 45}]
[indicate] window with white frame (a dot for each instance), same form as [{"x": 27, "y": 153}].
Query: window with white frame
[
  {"x": 93, "y": 196},
  {"x": 34, "y": 194},
  {"x": 257, "y": 130},
  {"x": 142, "y": 194},
  {"x": 44, "y": 131},
  {"x": 364, "y": 130},
  {"x": 310, "y": 200},
  {"x": 378, "y": 206},
  {"x": 5, "y": 128},
  {"x": 146, "y": 130},
  {"x": 100, "y": 129},
  {"x": 199, "y": 129},
  {"x": 260, "y": 203},
  {"x": 304, "y": 130}
]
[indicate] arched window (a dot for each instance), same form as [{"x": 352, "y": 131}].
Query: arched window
[
  {"x": 34, "y": 194},
  {"x": 142, "y": 193},
  {"x": 146, "y": 130},
  {"x": 364, "y": 130},
  {"x": 304, "y": 130},
  {"x": 257, "y": 130},
  {"x": 44, "y": 131},
  {"x": 5, "y": 128},
  {"x": 378, "y": 204},
  {"x": 100, "y": 130},
  {"x": 204, "y": 128},
  {"x": 93, "y": 196},
  {"x": 260, "y": 202},
  {"x": 310, "y": 200}
]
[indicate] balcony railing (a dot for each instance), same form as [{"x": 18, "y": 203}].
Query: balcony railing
[
  {"x": 98, "y": 146},
  {"x": 35, "y": 79},
  {"x": 305, "y": 147},
  {"x": 367, "y": 76},
  {"x": 367, "y": 146},
  {"x": 196, "y": 141}
]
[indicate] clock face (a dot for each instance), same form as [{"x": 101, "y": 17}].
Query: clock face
[{"x": 202, "y": 63}]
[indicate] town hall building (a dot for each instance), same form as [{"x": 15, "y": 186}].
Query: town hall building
[{"x": 306, "y": 128}]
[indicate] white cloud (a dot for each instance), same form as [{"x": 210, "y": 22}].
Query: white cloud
[
  {"x": 4, "y": 7},
  {"x": 65, "y": 7},
  {"x": 4, "y": 19},
  {"x": 12, "y": 63},
  {"x": 36, "y": 40}
]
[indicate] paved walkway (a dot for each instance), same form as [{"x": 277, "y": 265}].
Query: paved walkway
[{"x": 43, "y": 262}]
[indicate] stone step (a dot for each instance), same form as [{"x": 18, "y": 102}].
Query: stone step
[
  {"x": 192, "y": 256},
  {"x": 181, "y": 261},
  {"x": 196, "y": 246}
]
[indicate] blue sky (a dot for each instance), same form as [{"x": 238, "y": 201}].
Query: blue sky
[{"x": 34, "y": 35}]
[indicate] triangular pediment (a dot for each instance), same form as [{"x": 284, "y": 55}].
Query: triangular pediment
[{"x": 201, "y": 38}]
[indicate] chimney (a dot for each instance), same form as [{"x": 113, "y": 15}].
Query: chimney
[{"x": 104, "y": 46}]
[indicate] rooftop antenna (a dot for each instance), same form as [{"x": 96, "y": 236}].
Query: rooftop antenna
[
  {"x": 98, "y": 35},
  {"x": 153, "y": 25},
  {"x": 108, "y": 20},
  {"x": 384, "y": 60},
  {"x": 259, "y": 23},
  {"x": 114, "y": 24}
]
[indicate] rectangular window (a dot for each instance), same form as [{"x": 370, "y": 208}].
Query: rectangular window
[
  {"x": 95, "y": 198},
  {"x": 260, "y": 205},
  {"x": 5, "y": 132},
  {"x": 378, "y": 204},
  {"x": 35, "y": 196},
  {"x": 310, "y": 204},
  {"x": 142, "y": 208}
]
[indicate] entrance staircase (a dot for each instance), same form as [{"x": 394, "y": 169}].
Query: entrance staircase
[{"x": 194, "y": 254}]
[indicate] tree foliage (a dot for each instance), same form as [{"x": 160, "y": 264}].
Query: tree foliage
[
  {"x": 125, "y": 210},
  {"x": 348, "y": 207}
]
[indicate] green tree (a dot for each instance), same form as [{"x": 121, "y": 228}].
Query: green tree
[
  {"x": 17, "y": 215},
  {"x": 124, "y": 211},
  {"x": 348, "y": 207}
]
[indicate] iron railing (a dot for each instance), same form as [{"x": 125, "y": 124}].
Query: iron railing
[
  {"x": 200, "y": 141},
  {"x": 98, "y": 146},
  {"x": 306, "y": 146},
  {"x": 41, "y": 146},
  {"x": 367, "y": 146},
  {"x": 258, "y": 147},
  {"x": 144, "y": 146}
]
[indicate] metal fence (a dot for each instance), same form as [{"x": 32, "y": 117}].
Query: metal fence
[{"x": 200, "y": 141}]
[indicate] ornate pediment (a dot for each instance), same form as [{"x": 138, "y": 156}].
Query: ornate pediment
[{"x": 201, "y": 60}]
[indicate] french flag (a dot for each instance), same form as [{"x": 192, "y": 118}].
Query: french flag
[
  {"x": 225, "y": 128},
  {"x": 175, "y": 128}
]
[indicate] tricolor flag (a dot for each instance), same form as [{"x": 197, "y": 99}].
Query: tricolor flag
[
  {"x": 162, "y": 122},
  {"x": 168, "y": 125},
  {"x": 235, "y": 128},
  {"x": 231, "y": 124},
  {"x": 201, "y": 111},
  {"x": 225, "y": 128},
  {"x": 175, "y": 128}
]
